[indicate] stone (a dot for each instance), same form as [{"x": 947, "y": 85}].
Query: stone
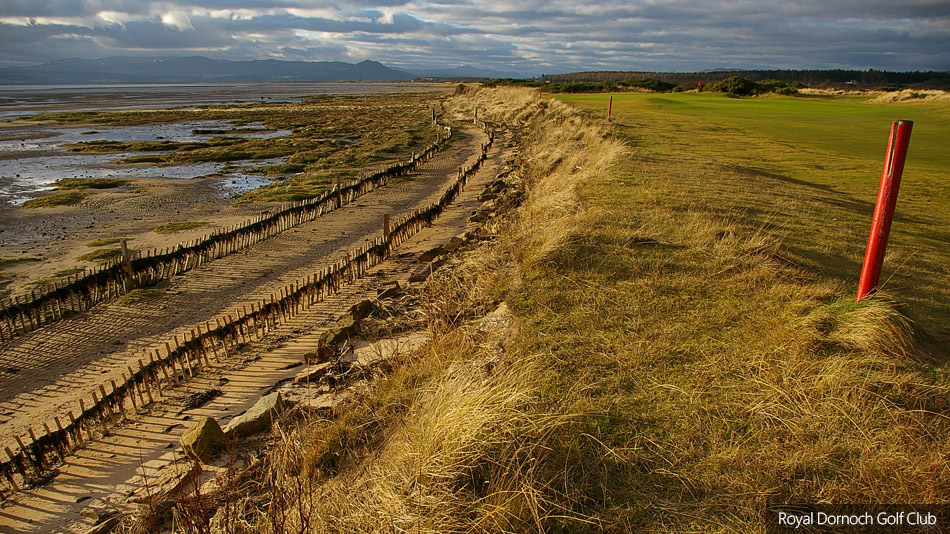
[
  {"x": 204, "y": 440},
  {"x": 312, "y": 373},
  {"x": 257, "y": 419},
  {"x": 431, "y": 254},
  {"x": 362, "y": 309},
  {"x": 481, "y": 216},
  {"x": 345, "y": 328},
  {"x": 106, "y": 526},
  {"x": 168, "y": 486},
  {"x": 454, "y": 244},
  {"x": 98, "y": 511},
  {"x": 425, "y": 271},
  {"x": 324, "y": 353},
  {"x": 391, "y": 292}
]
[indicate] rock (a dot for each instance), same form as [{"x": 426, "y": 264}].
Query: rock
[
  {"x": 98, "y": 511},
  {"x": 257, "y": 419},
  {"x": 107, "y": 525},
  {"x": 324, "y": 353},
  {"x": 454, "y": 244},
  {"x": 345, "y": 328},
  {"x": 362, "y": 309},
  {"x": 169, "y": 485},
  {"x": 431, "y": 254},
  {"x": 313, "y": 373},
  {"x": 391, "y": 292},
  {"x": 425, "y": 271},
  {"x": 204, "y": 440},
  {"x": 487, "y": 195},
  {"x": 481, "y": 216}
]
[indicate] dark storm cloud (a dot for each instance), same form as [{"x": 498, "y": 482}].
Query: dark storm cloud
[{"x": 529, "y": 37}]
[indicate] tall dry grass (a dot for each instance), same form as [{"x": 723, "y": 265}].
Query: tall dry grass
[{"x": 669, "y": 370}]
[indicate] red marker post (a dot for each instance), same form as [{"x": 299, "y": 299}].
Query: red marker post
[
  {"x": 610, "y": 106},
  {"x": 884, "y": 210}
]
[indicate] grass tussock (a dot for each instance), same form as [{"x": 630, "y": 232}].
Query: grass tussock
[
  {"x": 10, "y": 261},
  {"x": 911, "y": 95},
  {"x": 102, "y": 255},
  {"x": 64, "y": 198},
  {"x": 64, "y": 184},
  {"x": 665, "y": 369},
  {"x": 105, "y": 241}
]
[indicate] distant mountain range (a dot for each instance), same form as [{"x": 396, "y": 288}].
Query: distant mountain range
[{"x": 197, "y": 69}]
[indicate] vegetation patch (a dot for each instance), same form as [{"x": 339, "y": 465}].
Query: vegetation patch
[
  {"x": 101, "y": 256},
  {"x": 178, "y": 226},
  {"x": 105, "y": 241},
  {"x": 12, "y": 261},
  {"x": 138, "y": 295},
  {"x": 678, "y": 366},
  {"x": 64, "y": 198},
  {"x": 329, "y": 136},
  {"x": 90, "y": 183}
]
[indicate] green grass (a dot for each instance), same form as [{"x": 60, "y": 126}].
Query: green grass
[
  {"x": 179, "y": 226},
  {"x": 330, "y": 136},
  {"x": 90, "y": 183},
  {"x": 671, "y": 367},
  {"x": 101, "y": 256},
  {"x": 139, "y": 295},
  {"x": 64, "y": 198},
  {"x": 11, "y": 261},
  {"x": 105, "y": 241},
  {"x": 808, "y": 169}
]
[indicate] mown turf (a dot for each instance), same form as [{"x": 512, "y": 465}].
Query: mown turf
[{"x": 807, "y": 169}]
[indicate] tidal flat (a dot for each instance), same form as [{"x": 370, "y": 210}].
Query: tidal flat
[{"x": 74, "y": 170}]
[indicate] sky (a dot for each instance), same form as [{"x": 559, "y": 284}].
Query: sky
[{"x": 529, "y": 37}]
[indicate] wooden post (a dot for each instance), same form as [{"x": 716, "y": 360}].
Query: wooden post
[
  {"x": 14, "y": 462},
  {"x": 126, "y": 258},
  {"x": 59, "y": 426},
  {"x": 121, "y": 401},
  {"x": 72, "y": 419},
  {"x": 157, "y": 381},
  {"x": 146, "y": 379},
  {"x": 102, "y": 389},
  {"x": 40, "y": 455}
]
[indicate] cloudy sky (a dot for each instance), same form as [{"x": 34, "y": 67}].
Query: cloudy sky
[{"x": 527, "y": 37}]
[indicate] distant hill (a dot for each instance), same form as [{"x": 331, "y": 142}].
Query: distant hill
[
  {"x": 195, "y": 69},
  {"x": 466, "y": 71},
  {"x": 813, "y": 78}
]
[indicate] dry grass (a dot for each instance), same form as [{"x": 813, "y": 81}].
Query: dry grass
[
  {"x": 669, "y": 371},
  {"x": 912, "y": 95}
]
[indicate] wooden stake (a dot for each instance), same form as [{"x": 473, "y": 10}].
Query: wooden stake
[
  {"x": 146, "y": 378},
  {"x": 72, "y": 419},
  {"x": 121, "y": 401}
]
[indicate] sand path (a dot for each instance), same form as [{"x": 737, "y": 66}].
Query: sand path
[{"x": 74, "y": 356}]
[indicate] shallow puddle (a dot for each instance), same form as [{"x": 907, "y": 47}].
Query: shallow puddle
[{"x": 32, "y": 159}]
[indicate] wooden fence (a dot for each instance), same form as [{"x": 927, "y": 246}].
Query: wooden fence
[{"x": 166, "y": 366}]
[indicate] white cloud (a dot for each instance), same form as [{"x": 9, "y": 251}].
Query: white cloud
[
  {"x": 177, "y": 20},
  {"x": 526, "y": 36}
]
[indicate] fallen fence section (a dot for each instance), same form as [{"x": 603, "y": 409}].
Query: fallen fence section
[
  {"x": 166, "y": 366},
  {"x": 78, "y": 293}
]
